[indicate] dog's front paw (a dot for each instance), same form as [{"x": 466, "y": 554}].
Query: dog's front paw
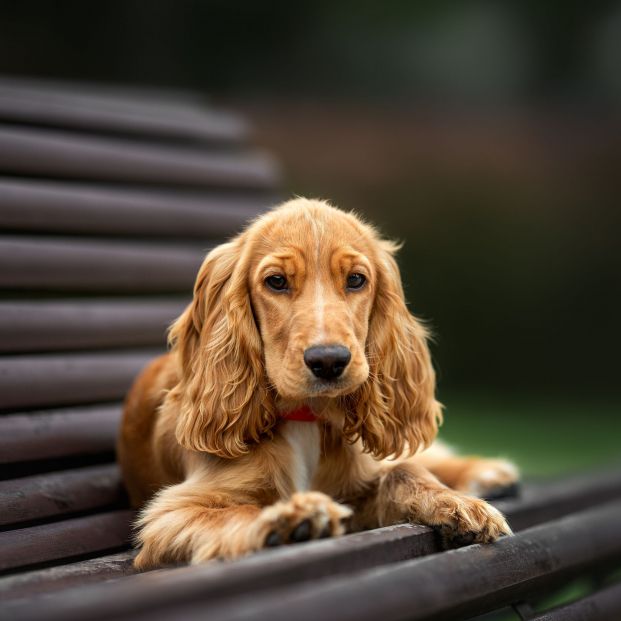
[
  {"x": 490, "y": 479},
  {"x": 461, "y": 520},
  {"x": 307, "y": 515}
]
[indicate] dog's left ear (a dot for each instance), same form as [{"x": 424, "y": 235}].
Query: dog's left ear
[
  {"x": 222, "y": 399},
  {"x": 395, "y": 411}
]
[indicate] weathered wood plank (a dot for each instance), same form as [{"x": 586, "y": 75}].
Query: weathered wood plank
[
  {"x": 552, "y": 499},
  {"x": 105, "y": 114},
  {"x": 452, "y": 585},
  {"x": 67, "y": 539},
  {"x": 52, "y": 206},
  {"x": 58, "y": 493},
  {"x": 152, "y": 101},
  {"x": 58, "y": 433},
  {"x": 604, "y": 605},
  {"x": 94, "y": 570},
  {"x": 41, "y": 326},
  {"x": 283, "y": 566},
  {"x": 64, "y": 155},
  {"x": 55, "y": 264},
  {"x": 65, "y": 379},
  {"x": 319, "y": 559}
]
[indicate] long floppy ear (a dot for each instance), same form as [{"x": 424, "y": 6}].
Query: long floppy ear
[
  {"x": 222, "y": 398},
  {"x": 395, "y": 412}
]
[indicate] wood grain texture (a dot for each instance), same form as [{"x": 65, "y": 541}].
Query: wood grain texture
[
  {"x": 59, "y": 493},
  {"x": 452, "y": 585},
  {"x": 180, "y": 120},
  {"x": 64, "y": 379},
  {"x": 63, "y": 155},
  {"x": 61, "y": 207},
  {"x": 57, "y": 433},
  {"x": 282, "y": 567},
  {"x": 549, "y": 500},
  {"x": 43, "y": 326},
  {"x": 604, "y": 605},
  {"x": 65, "y": 264},
  {"x": 30, "y": 583},
  {"x": 149, "y": 100},
  {"x": 66, "y": 539}
]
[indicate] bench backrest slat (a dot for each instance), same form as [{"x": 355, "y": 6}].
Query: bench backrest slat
[{"x": 109, "y": 201}]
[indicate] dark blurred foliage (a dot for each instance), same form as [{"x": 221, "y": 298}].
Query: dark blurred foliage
[
  {"x": 373, "y": 49},
  {"x": 487, "y": 136}
]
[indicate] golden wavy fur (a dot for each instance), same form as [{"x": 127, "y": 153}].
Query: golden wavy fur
[{"x": 204, "y": 447}]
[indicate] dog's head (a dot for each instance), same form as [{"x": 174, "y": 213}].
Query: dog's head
[{"x": 306, "y": 305}]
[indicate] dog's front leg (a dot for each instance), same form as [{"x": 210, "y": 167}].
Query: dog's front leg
[
  {"x": 407, "y": 492},
  {"x": 190, "y": 523}
]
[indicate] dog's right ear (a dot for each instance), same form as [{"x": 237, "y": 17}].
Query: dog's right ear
[
  {"x": 222, "y": 400},
  {"x": 215, "y": 271}
]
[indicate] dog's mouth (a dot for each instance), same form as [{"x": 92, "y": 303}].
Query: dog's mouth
[
  {"x": 329, "y": 388},
  {"x": 318, "y": 388},
  {"x": 333, "y": 388}
]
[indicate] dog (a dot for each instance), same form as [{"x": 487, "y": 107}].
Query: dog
[{"x": 297, "y": 402}]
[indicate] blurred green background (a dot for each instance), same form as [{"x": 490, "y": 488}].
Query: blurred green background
[{"x": 485, "y": 135}]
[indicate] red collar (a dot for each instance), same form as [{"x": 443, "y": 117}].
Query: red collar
[{"x": 304, "y": 414}]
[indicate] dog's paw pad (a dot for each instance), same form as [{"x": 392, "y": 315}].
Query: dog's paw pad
[
  {"x": 302, "y": 532},
  {"x": 308, "y": 515},
  {"x": 273, "y": 540}
]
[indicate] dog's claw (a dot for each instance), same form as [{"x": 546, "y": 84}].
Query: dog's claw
[{"x": 273, "y": 539}]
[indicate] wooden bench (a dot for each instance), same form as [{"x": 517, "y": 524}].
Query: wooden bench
[{"x": 108, "y": 202}]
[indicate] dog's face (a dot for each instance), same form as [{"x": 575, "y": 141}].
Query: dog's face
[
  {"x": 305, "y": 304},
  {"x": 312, "y": 283}
]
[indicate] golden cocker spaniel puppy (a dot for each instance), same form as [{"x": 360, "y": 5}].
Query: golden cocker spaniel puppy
[{"x": 297, "y": 401}]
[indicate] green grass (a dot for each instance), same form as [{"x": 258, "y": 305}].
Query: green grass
[{"x": 545, "y": 437}]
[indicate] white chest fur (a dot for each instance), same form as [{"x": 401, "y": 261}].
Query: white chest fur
[{"x": 304, "y": 439}]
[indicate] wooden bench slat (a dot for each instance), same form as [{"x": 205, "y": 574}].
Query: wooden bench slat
[
  {"x": 81, "y": 324},
  {"x": 29, "y": 583},
  {"x": 59, "y": 154},
  {"x": 148, "y": 100},
  {"x": 603, "y": 605},
  {"x": 283, "y": 566},
  {"x": 51, "y": 264},
  {"x": 58, "y": 433},
  {"x": 454, "y": 584},
  {"x": 57, "y": 493},
  {"x": 552, "y": 499},
  {"x": 311, "y": 561},
  {"x": 53, "y": 379},
  {"x": 67, "y": 539},
  {"x": 52, "y": 206},
  {"x": 180, "y": 122}
]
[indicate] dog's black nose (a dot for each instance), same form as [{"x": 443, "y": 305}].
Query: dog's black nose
[{"x": 327, "y": 361}]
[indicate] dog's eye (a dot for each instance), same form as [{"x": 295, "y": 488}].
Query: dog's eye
[
  {"x": 276, "y": 282},
  {"x": 355, "y": 281}
]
